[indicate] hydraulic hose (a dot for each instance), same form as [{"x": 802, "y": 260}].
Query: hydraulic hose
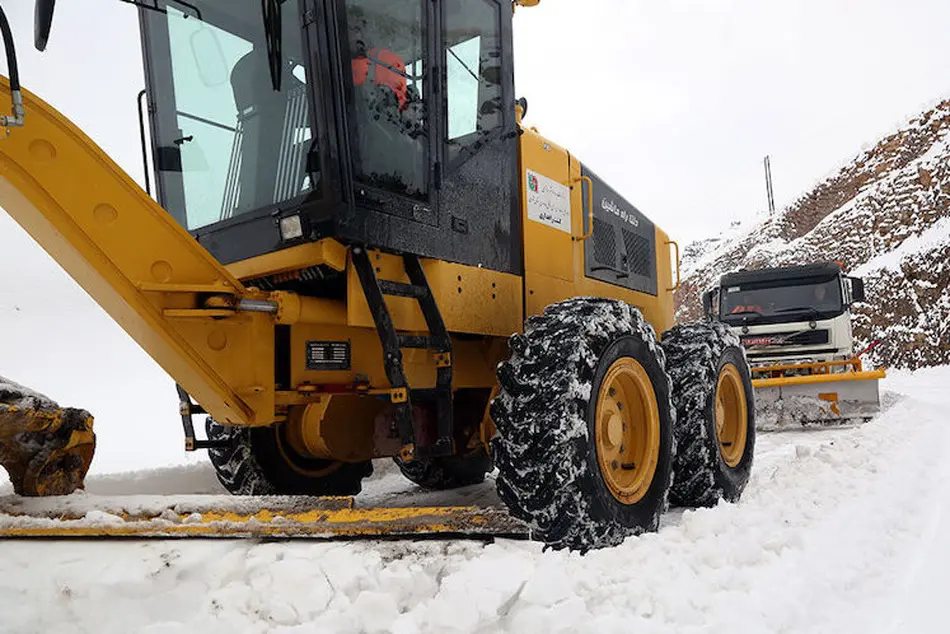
[
  {"x": 11, "y": 52},
  {"x": 16, "y": 97}
]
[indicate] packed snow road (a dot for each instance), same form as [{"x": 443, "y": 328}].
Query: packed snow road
[{"x": 839, "y": 531}]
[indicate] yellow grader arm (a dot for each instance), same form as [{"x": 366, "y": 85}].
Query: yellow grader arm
[
  {"x": 147, "y": 272},
  {"x": 141, "y": 266}
]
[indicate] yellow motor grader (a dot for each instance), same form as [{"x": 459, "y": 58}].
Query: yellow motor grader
[{"x": 359, "y": 251}]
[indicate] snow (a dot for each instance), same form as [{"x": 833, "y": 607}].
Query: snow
[
  {"x": 931, "y": 237},
  {"x": 840, "y": 530},
  {"x": 21, "y": 397}
]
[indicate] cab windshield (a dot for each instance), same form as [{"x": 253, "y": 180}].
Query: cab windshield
[
  {"x": 792, "y": 300},
  {"x": 228, "y": 143}
]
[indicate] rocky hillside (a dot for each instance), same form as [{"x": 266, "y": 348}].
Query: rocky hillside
[{"x": 885, "y": 216}]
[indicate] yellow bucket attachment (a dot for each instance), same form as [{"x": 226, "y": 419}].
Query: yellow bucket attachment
[
  {"x": 45, "y": 449},
  {"x": 215, "y": 516},
  {"x": 828, "y": 393}
]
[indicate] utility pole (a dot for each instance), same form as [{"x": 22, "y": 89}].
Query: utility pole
[{"x": 768, "y": 185}]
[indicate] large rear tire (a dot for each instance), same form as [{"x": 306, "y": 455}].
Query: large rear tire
[
  {"x": 715, "y": 414},
  {"x": 584, "y": 419},
  {"x": 260, "y": 461}
]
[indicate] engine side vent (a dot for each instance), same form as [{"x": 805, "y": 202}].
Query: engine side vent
[
  {"x": 639, "y": 253},
  {"x": 605, "y": 243}
]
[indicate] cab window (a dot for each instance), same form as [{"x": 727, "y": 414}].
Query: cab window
[{"x": 472, "y": 59}]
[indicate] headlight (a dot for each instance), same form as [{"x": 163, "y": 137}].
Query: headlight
[{"x": 291, "y": 228}]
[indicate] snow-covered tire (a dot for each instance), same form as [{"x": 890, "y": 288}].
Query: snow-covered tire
[
  {"x": 259, "y": 461},
  {"x": 547, "y": 447},
  {"x": 450, "y": 472},
  {"x": 706, "y": 363}
]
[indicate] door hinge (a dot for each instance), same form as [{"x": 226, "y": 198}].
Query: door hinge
[{"x": 308, "y": 17}]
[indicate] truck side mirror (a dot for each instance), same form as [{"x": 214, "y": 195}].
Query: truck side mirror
[
  {"x": 857, "y": 289},
  {"x": 708, "y": 304},
  {"x": 42, "y": 22}
]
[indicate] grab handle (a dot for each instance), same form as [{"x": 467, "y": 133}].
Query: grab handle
[
  {"x": 676, "y": 246},
  {"x": 590, "y": 210}
]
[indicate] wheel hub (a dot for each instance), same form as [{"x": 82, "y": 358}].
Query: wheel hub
[
  {"x": 627, "y": 430},
  {"x": 731, "y": 415}
]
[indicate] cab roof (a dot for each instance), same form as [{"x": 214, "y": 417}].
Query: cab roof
[{"x": 781, "y": 273}]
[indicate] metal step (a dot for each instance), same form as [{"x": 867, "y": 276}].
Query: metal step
[
  {"x": 438, "y": 340},
  {"x": 417, "y": 342},
  {"x": 399, "y": 289}
]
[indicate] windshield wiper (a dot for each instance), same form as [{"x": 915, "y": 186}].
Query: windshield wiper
[
  {"x": 744, "y": 312},
  {"x": 154, "y": 6},
  {"x": 799, "y": 309},
  {"x": 272, "y": 33},
  {"x": 464, "y": 65}
]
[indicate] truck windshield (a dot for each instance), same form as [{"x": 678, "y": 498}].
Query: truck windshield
[
  {"x": 227, "y": 143},
  {"x": 787, "y": 300}
]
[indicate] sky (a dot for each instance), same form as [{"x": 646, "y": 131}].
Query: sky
[{"x": 676, "y": 103}]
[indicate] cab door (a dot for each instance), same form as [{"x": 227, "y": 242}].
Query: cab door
[
  {"x": 477, "y": 170},
  {"x": 389, "y": 107}
]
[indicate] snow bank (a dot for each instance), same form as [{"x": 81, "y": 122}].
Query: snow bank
[{"x": 840, "y": 531}]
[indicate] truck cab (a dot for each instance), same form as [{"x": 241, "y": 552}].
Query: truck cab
[{"x": 788, "y": 314}]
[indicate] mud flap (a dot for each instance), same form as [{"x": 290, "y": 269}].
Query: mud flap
[
  {"x": 244, "y": 517},
  {"x": 828, "y": 399}
]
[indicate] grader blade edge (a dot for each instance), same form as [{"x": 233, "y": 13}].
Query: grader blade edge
[{"x": 214, "y": 517}]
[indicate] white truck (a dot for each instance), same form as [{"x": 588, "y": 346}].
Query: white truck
[{"x": 795, "y": 325}]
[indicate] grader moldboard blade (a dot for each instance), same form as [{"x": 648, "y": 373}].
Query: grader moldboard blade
[
  {"x": 225, "y": 517},
  {"x": 826, "y": 394},
  {"x": 45, "y": 449}
]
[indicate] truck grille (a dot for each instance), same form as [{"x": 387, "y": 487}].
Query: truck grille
[{"x": 806, "y": 338}]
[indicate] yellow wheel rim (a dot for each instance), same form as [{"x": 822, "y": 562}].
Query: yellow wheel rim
[
  {"x": 731, "y": 415},
  {"x": 627, "y": 430}
]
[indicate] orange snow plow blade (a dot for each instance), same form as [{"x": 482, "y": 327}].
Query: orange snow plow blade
[
  {"x": 833, "y": 392},
  {"x": 213, "y": 516},
  {"x": 45, "y": 449}
]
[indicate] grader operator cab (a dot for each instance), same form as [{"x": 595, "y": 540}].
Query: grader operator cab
[
  {"x": 795, "y": 323},
  {"x": 359, "y": 252}
]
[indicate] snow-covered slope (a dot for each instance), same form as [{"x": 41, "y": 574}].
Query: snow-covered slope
[
  {"x": 839, "y": 531},
  {"x": 886, "y": 216}
]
